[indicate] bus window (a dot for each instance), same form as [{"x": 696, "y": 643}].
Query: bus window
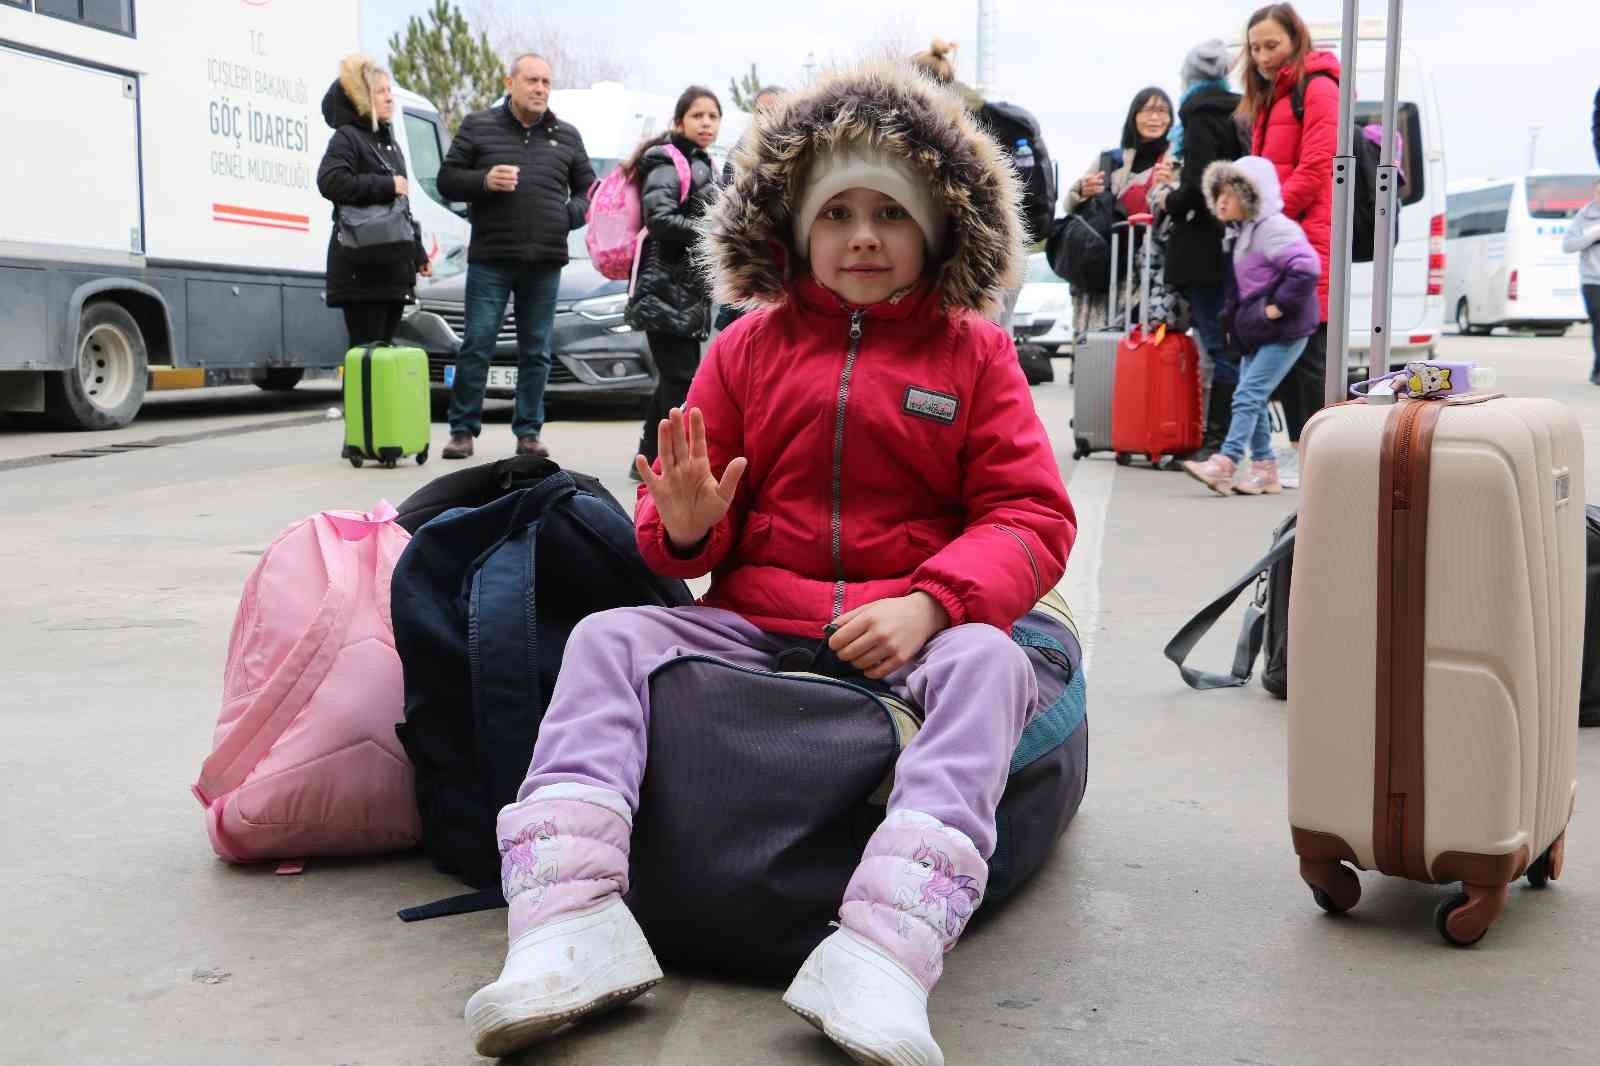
[
  {"x": 1413, "y": 162},
  {"x": 1559, "y": 195},
  {"x": 1479, "y": 213}
]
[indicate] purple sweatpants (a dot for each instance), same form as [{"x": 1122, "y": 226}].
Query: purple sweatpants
[{"x": 975, "y": 686}]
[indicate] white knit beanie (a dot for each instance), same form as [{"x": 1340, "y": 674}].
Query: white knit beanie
[{"x": 860, "y": 166}]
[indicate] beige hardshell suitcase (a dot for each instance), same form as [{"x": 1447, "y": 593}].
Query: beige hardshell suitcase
[
  {"x": 1435, "y": 616},
  {"x": 1436, "y": 631}
]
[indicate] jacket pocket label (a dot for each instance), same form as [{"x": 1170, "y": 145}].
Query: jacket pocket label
[{"x": 935, "y": 406}]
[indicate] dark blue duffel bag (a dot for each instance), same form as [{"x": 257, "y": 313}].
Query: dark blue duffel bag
[{"x": 762, "y": 788}]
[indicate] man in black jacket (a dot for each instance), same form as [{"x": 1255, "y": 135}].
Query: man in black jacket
[{"x": 527, "y": 177}]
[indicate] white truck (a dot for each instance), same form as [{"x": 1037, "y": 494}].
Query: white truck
[{"x": 160, "y": 225}]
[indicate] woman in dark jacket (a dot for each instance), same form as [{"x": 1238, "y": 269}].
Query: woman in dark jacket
[
  {"x": 364, "y": 166},
  {"x": 1207, "y": 132},
  {"x": 671, "y": 301}
]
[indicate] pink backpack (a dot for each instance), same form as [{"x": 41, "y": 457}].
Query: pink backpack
[
  {"x": 616, "y": 228},
  {"x": 305, "y": 758}
]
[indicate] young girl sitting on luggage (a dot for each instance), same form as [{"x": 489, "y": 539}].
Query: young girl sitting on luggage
[
  {"x": 1270, "y": 309},
  {"x": 861, "y": 450}
]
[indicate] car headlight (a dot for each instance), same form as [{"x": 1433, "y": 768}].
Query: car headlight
[{"x": 602, "y": 308}]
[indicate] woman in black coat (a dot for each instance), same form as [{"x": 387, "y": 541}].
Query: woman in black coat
[
  {"x": 364, "y": 166},
  {"x": 1207, "y": 132},
  {"x": 671, "y": 301}
]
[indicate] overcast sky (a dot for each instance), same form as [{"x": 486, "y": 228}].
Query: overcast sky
[{"x": 1498, "y": 67}]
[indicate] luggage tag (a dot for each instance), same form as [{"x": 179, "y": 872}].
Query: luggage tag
[{"x": 1425, "y": 380}]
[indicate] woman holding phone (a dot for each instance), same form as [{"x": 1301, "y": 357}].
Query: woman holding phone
[{"x": 1130, "y": 172}]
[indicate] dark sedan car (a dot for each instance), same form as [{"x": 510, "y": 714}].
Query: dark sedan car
[{"x": 594, "y": 355}]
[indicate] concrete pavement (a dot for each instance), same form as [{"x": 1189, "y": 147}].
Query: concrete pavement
[{"x": 1170, "y": 927}]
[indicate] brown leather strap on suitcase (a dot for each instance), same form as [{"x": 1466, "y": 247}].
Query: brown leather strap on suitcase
[{"x": 1399, "y": 771}]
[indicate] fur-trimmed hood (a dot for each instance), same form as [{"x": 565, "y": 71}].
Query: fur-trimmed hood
[
  {"x": 746, "y": 243},
  {"x": 349, "y": 99},
  {"x": 1253, "y": 179}
]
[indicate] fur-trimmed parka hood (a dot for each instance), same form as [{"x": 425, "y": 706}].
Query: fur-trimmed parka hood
[
  {"x": 746, "y": 241},
  {"x": 349, "y": 99},
  {"x": 1253, "y": 179}
]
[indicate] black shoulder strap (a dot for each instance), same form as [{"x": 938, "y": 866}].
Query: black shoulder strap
[
  {"x": 1297, "y": 97},
  {"x": 1250, "y": 634}
]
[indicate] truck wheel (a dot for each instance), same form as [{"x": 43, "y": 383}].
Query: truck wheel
[
  {"x": 280, "y": 378},
  {"x": 106, "y": 388}
]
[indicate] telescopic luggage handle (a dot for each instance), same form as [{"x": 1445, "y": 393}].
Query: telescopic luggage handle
[
  {"x": 1388, "y": 206},
  {"x": 1131, "y": 224}
]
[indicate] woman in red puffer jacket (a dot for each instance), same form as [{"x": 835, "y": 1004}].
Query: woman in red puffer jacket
[{"x": 1279, "y": 69}]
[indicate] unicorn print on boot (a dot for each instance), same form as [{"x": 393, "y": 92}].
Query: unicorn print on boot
[
  {"x": 866, "y": 986},
  {"x": 575, "y": 948}
]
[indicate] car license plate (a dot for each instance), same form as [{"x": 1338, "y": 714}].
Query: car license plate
[{"x": 500, "y": 377}]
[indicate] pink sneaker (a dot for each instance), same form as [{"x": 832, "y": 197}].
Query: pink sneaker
[
  {"x": 1216, "y": 473},
  {"x": 1263, "y": 479}
]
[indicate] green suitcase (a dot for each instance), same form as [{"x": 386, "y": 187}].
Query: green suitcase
[{"x": 386, "y": 404}]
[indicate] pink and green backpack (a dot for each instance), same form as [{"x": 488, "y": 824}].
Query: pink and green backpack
[{"x": 616, "y": 223}]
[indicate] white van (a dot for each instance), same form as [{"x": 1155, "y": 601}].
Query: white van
[
  {"x": 160, "y": 224},
  {"x": 1504, "y": 250},
  {"x": 1417, "y": 310}
]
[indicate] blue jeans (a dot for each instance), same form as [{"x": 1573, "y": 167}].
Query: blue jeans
[
  {"x": 1259, "y": 376},
  {"x": 1206, "y": 302},
  {"x": 489, "y": 286},
  {"x": 1591, "y": 303}
]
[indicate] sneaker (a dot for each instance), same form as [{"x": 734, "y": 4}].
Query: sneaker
[
  {"x": 530, "y": 445},
  {"x": 460, "y": 446},
  {"x": 1594, "y": 379},
  {"x": 560, "y": 973},
  {"x": 1216, "y": 473},
  {"x": 865, "y": 1001},
  {"x": 1261, "y": 481},
  {"x": 1289, "y": 467}
]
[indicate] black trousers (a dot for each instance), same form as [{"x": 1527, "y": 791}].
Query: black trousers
[
  {"x": 676, "y": 360},
  {"x": 372, "y": 323},
  {"x": 1301, "y": 391}
]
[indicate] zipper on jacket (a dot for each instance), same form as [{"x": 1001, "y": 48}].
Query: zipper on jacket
[{"x": 837, "y": 525}]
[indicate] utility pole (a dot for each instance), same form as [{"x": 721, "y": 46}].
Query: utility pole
[
  {"x": 987, "y": 22},
  {"x": 810, "y": 67},
  {"x": 1533, "y": 146}
]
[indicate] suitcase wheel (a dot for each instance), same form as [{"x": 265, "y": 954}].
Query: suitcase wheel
[
  {"x": 1080, "y": 447},
  {"x": 1463, "y": 917},
  {"x": 1124, "y": 459},
  {"x": 422, "y": 456},
  {"x": 1547, "y": 867},
  {"x": 390, "y": 464},
  {"x": 355, "y": 461},
  {"x": 1334, "y": 886}
]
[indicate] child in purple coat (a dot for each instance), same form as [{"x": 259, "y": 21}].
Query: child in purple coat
[{"x": 1270, "y": 309}]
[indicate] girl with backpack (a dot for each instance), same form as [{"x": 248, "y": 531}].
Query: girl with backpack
[
  {"x": 1207, "y": 131},
  {"x": 670, "y": 301},
  {"x": 1270, "y": 308},
  {"x": 870, "y": 227},
  {"x": 1128, "y": 174},
  {"x": 1291, "y": 100}
]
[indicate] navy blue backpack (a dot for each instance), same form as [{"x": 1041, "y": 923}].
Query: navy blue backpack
[{"x": 483, "y": 601}]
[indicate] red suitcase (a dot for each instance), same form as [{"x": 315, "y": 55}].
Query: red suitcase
[
  {"x": 1156, "y": 399},
  {"x": 1155, "y": 403}
]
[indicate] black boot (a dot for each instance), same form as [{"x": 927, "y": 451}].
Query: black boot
[{"x": 1219, "y": 412}]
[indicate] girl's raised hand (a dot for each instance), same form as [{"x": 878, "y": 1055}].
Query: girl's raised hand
[{"x": 688, "y": 497}]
